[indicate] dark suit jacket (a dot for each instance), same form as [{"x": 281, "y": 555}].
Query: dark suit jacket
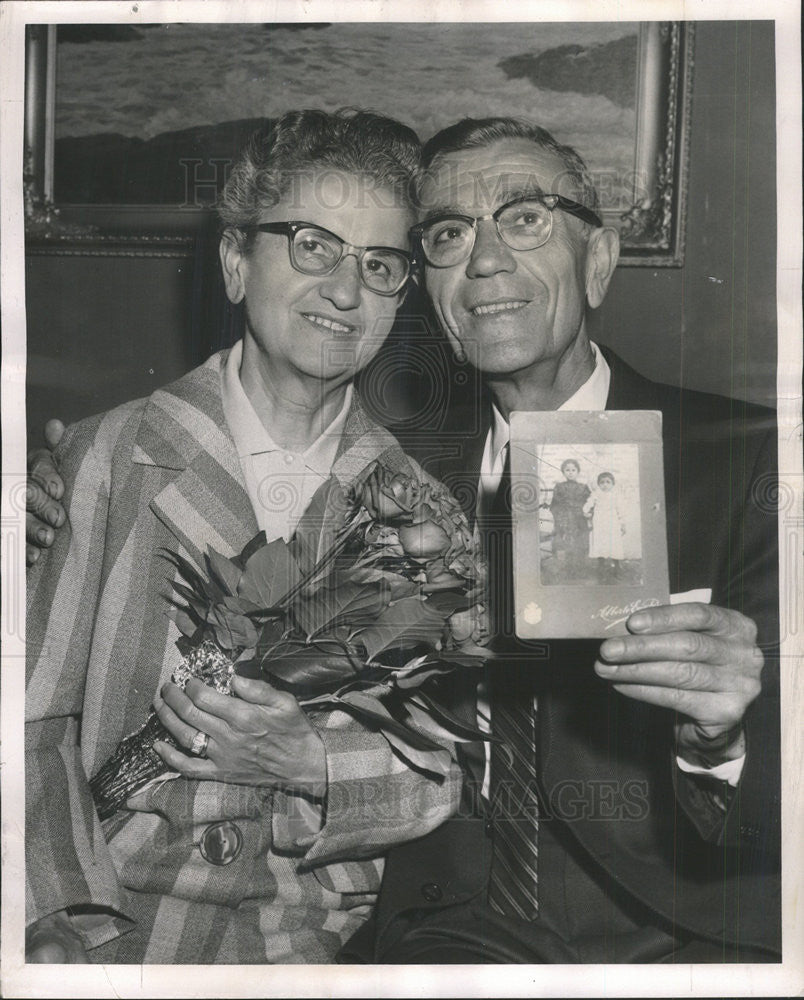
[{"x": 607, "y": 770}]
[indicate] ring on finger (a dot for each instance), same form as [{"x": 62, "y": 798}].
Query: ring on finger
[{"x": 198, "y": 748}]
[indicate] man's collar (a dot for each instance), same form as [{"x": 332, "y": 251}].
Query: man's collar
[
  {"x": 592, "y": 395},
  {"x": 251, "y": 437}
]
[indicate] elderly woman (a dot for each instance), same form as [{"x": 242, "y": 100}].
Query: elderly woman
[{"x": 269, "y": 850}]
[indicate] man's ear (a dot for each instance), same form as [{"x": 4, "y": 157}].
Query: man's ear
[
  {"x": 232, "y": 261},
  {"x": 603, "y": 252}
]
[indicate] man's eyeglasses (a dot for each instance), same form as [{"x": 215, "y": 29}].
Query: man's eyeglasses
[
  {"x": 315, "y": 250},
  {"x": 522, "y": 224}
]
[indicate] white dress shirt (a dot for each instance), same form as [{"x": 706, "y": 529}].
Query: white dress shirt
[
  {"x": 592, "y": 395},
  {"x": 280, "y": 483}
]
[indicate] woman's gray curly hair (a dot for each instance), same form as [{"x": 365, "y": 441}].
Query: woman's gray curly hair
[{"x": 362, "y": 143}]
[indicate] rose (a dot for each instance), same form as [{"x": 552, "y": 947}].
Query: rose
[
  {"x": 384, "y": 536},
  {"x": 388, "y": 495},
  {"x": 462, "y": 625},
  {"x": 439, "y": 577},
  {"x": 424, "y": 539},
  {"x": 424, "y": 522},
  {"x": 398, "y": 586},
  {"x": 436, "y": 525},
  {"x": 465, "y": 564},
  {"x": 445, "y": 511},
  {"x": 468, "y": 626}
]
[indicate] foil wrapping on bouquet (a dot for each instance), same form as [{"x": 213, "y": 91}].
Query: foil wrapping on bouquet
[{"x": 135, "y": 762}]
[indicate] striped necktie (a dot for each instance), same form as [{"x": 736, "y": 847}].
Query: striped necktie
[{"x": 514, "y": 805}]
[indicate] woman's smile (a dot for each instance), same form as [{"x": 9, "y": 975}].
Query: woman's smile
[{"x": 333, "y": 325}]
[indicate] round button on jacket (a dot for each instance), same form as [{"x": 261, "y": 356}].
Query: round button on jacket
[
  {"x": 221, "y": 843},
  {"x": 432, "y": 892}
]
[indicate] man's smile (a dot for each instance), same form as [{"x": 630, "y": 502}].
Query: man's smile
[{"x": 488, "y": 308}]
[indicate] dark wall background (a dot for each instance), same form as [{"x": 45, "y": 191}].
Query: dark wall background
[
  {"x": 712, "y": 324},
  {"x": 104, "y": 328}
]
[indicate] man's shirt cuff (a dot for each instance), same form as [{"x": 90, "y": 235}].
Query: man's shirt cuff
[{"x": 728, "y": 771}]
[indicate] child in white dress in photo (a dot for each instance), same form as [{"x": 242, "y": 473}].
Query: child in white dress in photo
[{"x": 608, "y": 528}]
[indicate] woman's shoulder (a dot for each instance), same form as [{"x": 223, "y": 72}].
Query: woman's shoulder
[
  {"x": 101, "y": 434},
  {"x": 110, "y": 437}
]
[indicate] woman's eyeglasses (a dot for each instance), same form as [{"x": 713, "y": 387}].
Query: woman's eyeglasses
[{"x": 315, "y": 250}]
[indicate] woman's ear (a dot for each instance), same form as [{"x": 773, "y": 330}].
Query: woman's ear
[
  {"x": 232, "y": 265},
  {"x": 603, "y": 252}
]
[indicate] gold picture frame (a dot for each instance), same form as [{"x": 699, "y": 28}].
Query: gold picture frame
[{"x": 651, "y": 223}]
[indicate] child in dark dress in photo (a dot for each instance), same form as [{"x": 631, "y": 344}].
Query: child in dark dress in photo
[{"x": 570, "y": 525}]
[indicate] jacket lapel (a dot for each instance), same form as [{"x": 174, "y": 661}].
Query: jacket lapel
[
  {"x": 455, "y": 455},
  {"x": 362, "y": 443},
  {"x": 183, "y": 429},
  {"x": 628, "y": 390}
]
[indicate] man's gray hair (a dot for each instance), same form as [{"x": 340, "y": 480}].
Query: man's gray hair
[{"x": 473, "y": 133}]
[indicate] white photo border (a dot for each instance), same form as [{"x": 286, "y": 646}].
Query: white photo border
[{"x": 19, "y": 980}]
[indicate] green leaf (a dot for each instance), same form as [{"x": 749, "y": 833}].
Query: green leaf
[
  {"x": 458, "y": 729},
  {"x": 225, "y": 573},
  {"x": 186, "y": 645},
  {"x": 268, "y": 575},
  {"x": 257, "y": 542},
  {"x": 407, "y": 621},
  {"x": 308, "y": 666},
  {"x": 398, "y": 586},
  {"x": 446, "y": 601},
  {"x": 410, "y": 680},
  {"x": 352, "y": 602},
  {"x": 247, "y": 666},
  {"x": 243, "y": 607},
  {"x": 468, "y": 654},
  {"x": 232, "y": 631},
  {"x": 424, "y": 721},
  {"x": 327, "y": 500},
  {"x": 200, "y": 588},
  {"x": 271, "y": 632},
  {"x": 186, "y": 623},
  {"x": 435, "y": 761},
  {"x": 366, "y": 707},
  {"x": 367, "y": 683},
  {"x": 199, "y": 606},
  {"x": 184, "y": 566}
]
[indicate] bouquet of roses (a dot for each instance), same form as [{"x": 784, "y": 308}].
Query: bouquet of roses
[{"x": 365, "y": 619}]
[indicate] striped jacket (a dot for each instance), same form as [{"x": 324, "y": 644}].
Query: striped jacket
[{"x": 163, "y": 473}]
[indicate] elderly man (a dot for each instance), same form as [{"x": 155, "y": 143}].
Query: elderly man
[
  {"x": 641, "y": 820},
  {"x": 636, "y": 816}
]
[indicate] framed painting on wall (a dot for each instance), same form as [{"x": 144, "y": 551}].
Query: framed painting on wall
[{"x": 130, "y": 132}]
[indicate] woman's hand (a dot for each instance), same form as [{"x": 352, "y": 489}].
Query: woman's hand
[
  {"x": 53, "y": 940},
  {"x": 259, "y": 738}
]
